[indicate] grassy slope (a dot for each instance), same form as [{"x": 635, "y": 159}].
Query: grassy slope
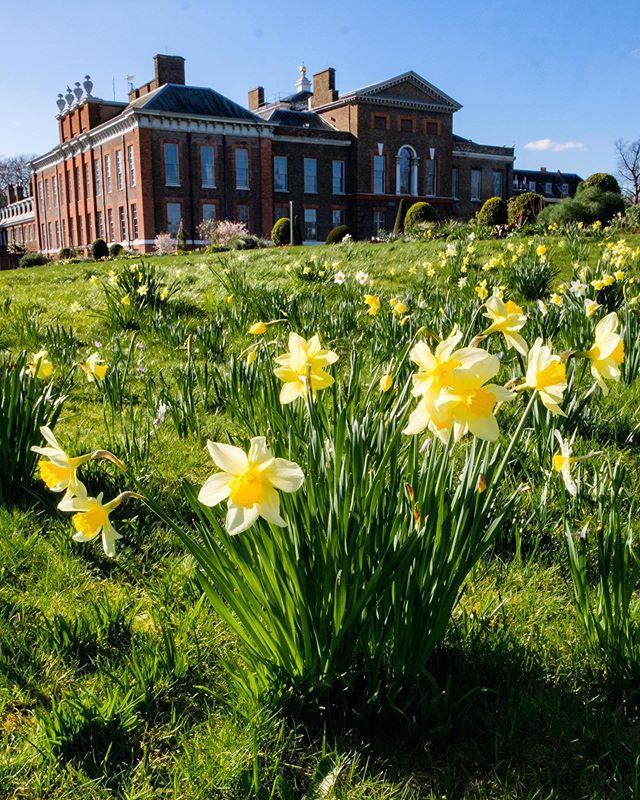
[{"x": 525, "y": 715}]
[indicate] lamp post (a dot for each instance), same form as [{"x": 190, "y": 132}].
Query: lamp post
[{"x": 290, "y": 221}]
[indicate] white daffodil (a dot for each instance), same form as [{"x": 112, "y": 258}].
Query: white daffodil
[
  {"x": 361, "y": 277},
  {"x": 339, "y": 278},
  {"x": 92, "y": 519},
  {"x": 563, "y": 460},
  {"x": 250, "y": 483}
]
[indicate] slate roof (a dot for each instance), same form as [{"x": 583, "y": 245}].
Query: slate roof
[
  {"x": 299, "y": 119},
  {"x": 177, "y": 99},
  {"x": 546, "y": 175}
]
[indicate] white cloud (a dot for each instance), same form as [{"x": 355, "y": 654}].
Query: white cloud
[
  {"x": 636, "y": 52},
  {"x": 551, "y": 146}
]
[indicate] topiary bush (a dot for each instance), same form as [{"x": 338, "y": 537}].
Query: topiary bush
[
  {"x": 602, "y": 206},
  {"x": 99, "y": 249},
  {"x": 601, "y": 181},
  {"x": 33, "y": 260},
  {"x": 337, "y": 234},
  {"x": 524, "y": 208},
  {"x": 566, "y": 212},
  {"x": 115, "y": 250},
  {"x": 65, "y": 253},
  {"x": 493, "y": 212},
  {"x": 280, "y": 233},
  {"x": 417, "y": 214}
]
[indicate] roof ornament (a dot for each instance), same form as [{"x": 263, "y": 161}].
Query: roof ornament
[
  {"x": 69, "y": 97},
  {"x": 88, "y": 85},
  {"x": 77, "y": 91},
  {"x": 303, "y": 84},
  {"x": 60, "y": 103}
]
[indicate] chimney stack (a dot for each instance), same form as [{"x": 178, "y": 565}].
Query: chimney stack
[
  {"x": 19, "y": 193},
  {"x": 543, "y": 169},
  {"x": 256, "y": 98},
  {"x": 324, "y": 88},
  {"x": 168, "y": 69},
  {"x": 11, "y": 194}
]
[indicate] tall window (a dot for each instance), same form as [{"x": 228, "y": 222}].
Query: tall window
[
  {"x": 71, "y": 242},
  {"x": 242, "y": 168},
  {"x": 46, "y": 192},
  {"x": 107, "y": 173},
  {"x": 548, "y": 188},
  {"x": 41, "y": 192},
  {"x": 565, "y": 190},
  {"x": 87, "y": 176},
  {"x": 430, "y": 178},
  {"x": 455, "y": 183},
  {"x": 132, "y": 165},
  {"x": 119, "y": 176},
  {"x": 171, "y": 164},
  {"x": 98, "y": 171},
  {"x": 57, "y": 229},
  {"x": 122, "y": 223},
  {"x": 379, "y": 174},
  {"x": 475, "y": 184},
  {"x": 207, "y": 167},
  {"x": 379, "y": 222},
  {"x": 337, "y": 216},
  {"x": 242, "y": 214},
  {"x": 100, "y": 224},
  {"x": 88, "y": 229},
  {"x": 134, "y": 220},
  {"x": 54, "y": 183},
  {"x": 310, "y": 224},
  {"x": 404, "y": 171},
  {"x": 208, "y": 212},
  {"x": 174, "y": 215},
  {"x": 338, "y": 174},
  {"x": 78, "y": 183},
  {"x": 310, "y": 175},
  {"x": 110, "y": 231},
  {"x": 496, "y": 183},
  {"x": 280, "y": 176}
]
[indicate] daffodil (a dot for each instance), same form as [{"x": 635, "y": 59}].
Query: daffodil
[
  {"x": 361, "y": 277},
  {"x": 249, "y": 482},
  {"x": 590, "y": 307},
  {"x": 436, "y": 368},
  {"x": 563, "y": 460},
  {"x": 546, "y": 374},
  {"x": 302, "y": 368},
  {"x": 339, "y": 278},
  {"x": 373, "y": 301},
  {"x": 92, "y": 519},
  {"x": 60, "y": 471},
  {"x": 258, "y": 328},
  {"x": 386, "y": 383},
  {"x": 95, "y": 367},
  {"x": 507, "y": 318},
  {"x": 541, "y": 250},
  {"x": 607, "y": 353},
  {"x": 557, "y": 299},
  {"x": 481, "y": 290},
  {"x": 125, "y": 300},
  {"x": 40, "y": 366}
]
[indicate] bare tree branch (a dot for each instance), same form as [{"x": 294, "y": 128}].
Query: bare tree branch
[
  {"x": 14, "y": 171},
  {"x": 629, "y": 167}
]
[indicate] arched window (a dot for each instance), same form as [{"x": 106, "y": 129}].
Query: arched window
[{"x": 406, "y": 171}]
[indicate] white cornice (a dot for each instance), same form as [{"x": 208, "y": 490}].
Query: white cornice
[
  {"x": 309, "y": 139},
  {"x": 475, "y": 154},
  {"x": 164, "y": 120}
]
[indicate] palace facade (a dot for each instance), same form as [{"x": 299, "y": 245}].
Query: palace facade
[{"x": 126, "y": 171}]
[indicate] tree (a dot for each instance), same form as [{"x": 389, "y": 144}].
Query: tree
[
  {"x": 629, "y": 168},
  {"x": 14, "y": 171}
]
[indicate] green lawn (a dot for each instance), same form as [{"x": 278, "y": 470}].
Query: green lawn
[{"x": 114, "y": 673}]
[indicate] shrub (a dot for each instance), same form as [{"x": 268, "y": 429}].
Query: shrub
[
  {"x": 280, "y": 233},
  {"x": 602, "y": 206},
  {"x": 33, "y": 260},
  {"x": 524, "y": 208},
  {"x": 337, "y": 234},
  {"x": 165, "y": 244},
  {"x": 493, "y": 212},
  {"x": 531, "y": 279},
  {"x": 397, "y": 225},
  {"x": 246, "y": 241},
  {"x": 64, "y": 253},
  {"x": 99, "y": 249},
  {"x": 566, "y": 212},
  {"x": 632, "y": 216},
  {"x": 115, "y": 250},
  {"x": 417, "y": 214},
  {"x": 601, "y": 181}
]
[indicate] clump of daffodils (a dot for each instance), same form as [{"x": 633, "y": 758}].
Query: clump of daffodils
[{"x": 250, "y": 483}]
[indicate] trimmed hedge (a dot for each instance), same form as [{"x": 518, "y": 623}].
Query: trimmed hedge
[
  {"x": 524, "y": 208},
  {"x": 280, "y": 233},
  {"x": 33, "y": 260},
  {"x": 115, "y": 250},
  {"x": 65, "y": 253},
  {"x": 337, "y": 234},
  {"x": 417, "y": 214},
  {"x": 601, "y": 181},
  {"x": 99, "y": 249},
  {"x": 493, "y": 212}
]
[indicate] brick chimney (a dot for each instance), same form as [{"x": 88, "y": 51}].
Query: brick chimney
[
  {"x": 256, "y": 98},
  {"x": 168, "y": 69},
  {"x": 543, "y": 169},
  {"x": 19, "y": 193},
  {"x": 324, "y": 88},
  {"x": 11, "y": 194}
]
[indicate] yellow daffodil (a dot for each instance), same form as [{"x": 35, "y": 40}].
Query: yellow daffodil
[
  {"x": 608, "y": 280},
  {"x": 541, "y": 250},
  {"x": 301, "y": 368},
  {"x": 619, "y": 275},
  {"x": 40, "y": 366},
  {"x": 546, "y": 374},
  {"x": 258, "y": 328},
  {"x": 598, "y": 284},
  {"x": 399, "y": 308},
  {"x": 507, "y": 319},
  {"x": 557, "y": 299},
  {"x": 249, "y": 482},
  {"x": 590, "y": 307},
  {"x": 435, "y": 368},
  {"x": 251, "y": 356},
  {"x": 386, "y": 383},
  {"x": 60, "y": 471},
  {"x": 95, "y": 367},
  {"x": 481, "y": 290},
  {"x": 229, "y": 299},
  {"x": 373, "y": 301},
  {"x": 125, "y": 300},
  {"x": 607, "y": 353},
  {"x": 92, "y": 519},
  {"x": 164, "y": 293}
]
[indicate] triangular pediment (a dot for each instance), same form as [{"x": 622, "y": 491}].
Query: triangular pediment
[{"x": 408, "y": 88}]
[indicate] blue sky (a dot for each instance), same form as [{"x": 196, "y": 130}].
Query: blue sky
[{"x": 559, "y": 79}]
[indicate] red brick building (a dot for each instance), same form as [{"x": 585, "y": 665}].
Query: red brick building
[{"x": 125, "y": 172}]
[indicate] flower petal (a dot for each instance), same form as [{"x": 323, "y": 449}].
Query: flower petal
[
  {"x": 228, "y": 458},
  {"x": 215, "y": 489},
  {"x": 239, "y": 518}
]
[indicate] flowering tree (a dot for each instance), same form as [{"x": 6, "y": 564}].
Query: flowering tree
[
  {"x": 221, "y": 233},
  {"x": 165, "y": 244}
]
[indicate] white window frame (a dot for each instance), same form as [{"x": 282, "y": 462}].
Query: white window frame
[
  {"x": 339, "y": 181},
  {"x": 247, "y": 216},
  {"x": 497, "y": 174},
  {"x": 172, "y": 223},
  {"x": 107, "y": 174},
  {"x": 131, "y": 158},
  {"x": 311, "y": 224},
  {"x": 278, "y": 172},
  {"x": 171, "y": 167},
  {"x": 475, "y": 196},
  {"x": 119, "y": 175},
  {"x": 455, "y": 183},
  {"x": 134, "y": 220},
  {"x": 242, "y": 170},
  {"x": 310, "y": 175},
  {"x": 213, "y": 217},
  {"x": 98, "y": 174},
  {"x": 208, "y": 168},
  {"x": 379, "y": 174},
  {"x": 378, "y": 217},
  {"x": 430, "y": 176},
  {"x": 337, "y": 216}
]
